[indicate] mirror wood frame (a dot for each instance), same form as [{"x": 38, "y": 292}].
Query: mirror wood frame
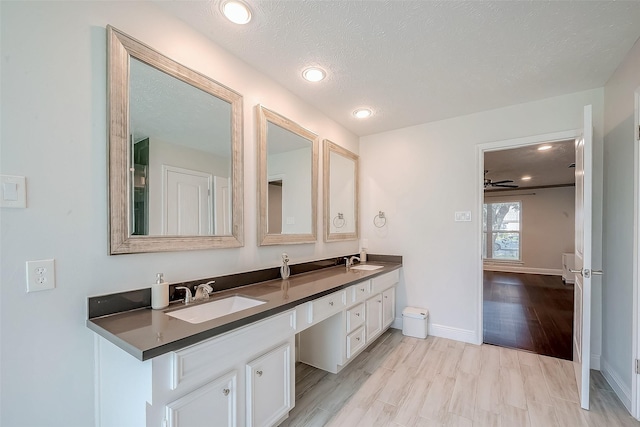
[
  {"x": 328, "y": 148},
  {"x": 263, "y": 116},
  {"x": 121, "y": 48}
]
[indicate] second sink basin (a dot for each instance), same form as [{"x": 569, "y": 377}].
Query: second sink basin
[
  {"x": 214, "y": 309},
  {"x": 366, "y": 267}
]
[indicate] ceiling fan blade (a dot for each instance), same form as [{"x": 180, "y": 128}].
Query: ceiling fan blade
[
  {"x": 505, "y": 181},
  {"x": 496, "y": 184}
]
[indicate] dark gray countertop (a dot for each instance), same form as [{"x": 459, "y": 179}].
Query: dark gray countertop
[{"x": 147, "y": 333}]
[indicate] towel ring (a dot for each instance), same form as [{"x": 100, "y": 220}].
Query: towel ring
[
  {"x": 380, "y": 220},
  {"x": 339, "y": 219}
]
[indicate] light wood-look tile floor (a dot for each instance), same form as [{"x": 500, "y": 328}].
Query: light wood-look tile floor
[{"x": 406, "y": 382}]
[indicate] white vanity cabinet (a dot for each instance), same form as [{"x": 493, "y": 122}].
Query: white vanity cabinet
[
  {"x": 215, "y": 403},
  {"x": 374, "y": 317},
  {"x": 241, "y": 378},
  {"x": 269, "y": 387},
  {"x": 332, "y": 343},
  {"x": 388, "y": 307}
]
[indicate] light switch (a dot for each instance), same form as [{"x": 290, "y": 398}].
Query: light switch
[
  {"x": 463, "y": 216},
  {"x": 10, "y": 191},
  {"x": 14, "y": 191}
]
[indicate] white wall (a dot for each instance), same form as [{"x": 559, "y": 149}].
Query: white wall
[
  {"x": 53, "y": 106},
  {"x": 419, "y": 176},
  {"x": 293, "y": 167},
  {"x": 161, "y": 154},
  {"x": 548, "y": 217},
  {"x": 617, "y": 297}
]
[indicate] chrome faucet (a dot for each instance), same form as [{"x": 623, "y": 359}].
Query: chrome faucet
[
  {"x": 203, "y": 291},
  {"x": 349, "y": 261},
  {"x": 188, "y": 298}
]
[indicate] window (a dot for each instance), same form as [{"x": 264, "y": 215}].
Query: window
[{"x": 501, "y": 231}]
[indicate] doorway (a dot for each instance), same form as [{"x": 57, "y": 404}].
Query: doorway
[{"x": 527, "y": 200}]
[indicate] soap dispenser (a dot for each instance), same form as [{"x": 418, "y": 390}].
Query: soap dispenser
[
  {"x": 159, "y": 293},
  {"x": 285, "y": 271}
]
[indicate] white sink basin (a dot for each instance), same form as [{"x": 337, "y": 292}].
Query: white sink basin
[
  {"x": 366, "y": 267},
  {"x": 214, "y": 309}
]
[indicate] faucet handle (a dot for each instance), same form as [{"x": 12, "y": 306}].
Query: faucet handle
[
  {"x": 188, "y": 298},
  {"x": 203, "y": 291}
]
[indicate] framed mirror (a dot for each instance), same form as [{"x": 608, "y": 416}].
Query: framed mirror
[
  {"x": 341, "y": 195},
  {"x": 175, "y": 154},
  {"x": 287, "y": 180}
]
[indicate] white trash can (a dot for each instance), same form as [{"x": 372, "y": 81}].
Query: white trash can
[{"x": 414, "y": 322}]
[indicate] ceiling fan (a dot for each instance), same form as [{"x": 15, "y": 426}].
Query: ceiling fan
[{"x": 504, "y": 183}]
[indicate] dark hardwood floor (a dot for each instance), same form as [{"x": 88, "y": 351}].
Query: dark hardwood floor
[{"x": 530, "y": 312}]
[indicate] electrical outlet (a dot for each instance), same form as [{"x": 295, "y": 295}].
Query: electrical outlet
[{"x": 41, "y": 275}]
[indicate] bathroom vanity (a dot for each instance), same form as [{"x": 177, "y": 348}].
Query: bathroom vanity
[{"x": 153, "y": 369}]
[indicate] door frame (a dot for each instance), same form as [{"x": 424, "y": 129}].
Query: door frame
[
  {"x": 496, "y": 146},
  {"x": 635, "y": 336}
]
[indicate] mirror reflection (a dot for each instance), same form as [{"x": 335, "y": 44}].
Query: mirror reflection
[
  {"x": 340, "y": 193},
  {"x": 175, "y": 154},
  {"x": 181, "y": 156},
  {"x": 287, "y": 180}
]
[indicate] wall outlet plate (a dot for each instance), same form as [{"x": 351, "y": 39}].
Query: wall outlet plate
[{"x": 41, "y": 275}]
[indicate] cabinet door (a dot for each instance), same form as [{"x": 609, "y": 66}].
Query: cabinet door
[
  {"x": 212, "y": 405},
  {"x": 269, "y": 387},
  {"x": 388, "y": 307},
  {"x": 373, "y": 317}
]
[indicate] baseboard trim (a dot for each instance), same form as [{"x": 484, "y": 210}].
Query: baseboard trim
[
  {"x": 452, "y": 333},
  {"x": 614, "y": 380},
  {"x": 506, "y": 268},
  {"x": 595, "y": 362},
  {"x": 397, "y": 323}
]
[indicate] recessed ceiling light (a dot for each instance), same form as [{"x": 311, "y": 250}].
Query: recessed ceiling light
[
  {"x": 544, "y": 148},
  {"x": 362, "y": 113},
  {"x": 314, "y": 74},
  {"x": 236, "y": 11},
  {"x": 526, "y": 178}
]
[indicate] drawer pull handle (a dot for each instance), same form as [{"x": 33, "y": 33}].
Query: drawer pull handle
[
  {"x": 331, "y": 303},
  {"x": 362, "y": 289},
  {"x": 259, "y": 373},
  {"x": 386, "y": 296},
  {"x": 357, "y": 338},
  {"x": 358, "y": 314},
  {"x": 379, "y": 300},
  {"x": 226, "y": 391}
]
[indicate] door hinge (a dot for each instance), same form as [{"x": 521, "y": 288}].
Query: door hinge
[{"x": 637, "y": 366}]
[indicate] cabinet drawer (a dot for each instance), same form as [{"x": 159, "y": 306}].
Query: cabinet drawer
[
  {"x": 355, "y": 341},
  {"x": 355, "y": 317},
  {"x": 381, "y": 283},
  {"x": 361, "y": 291},
  {"x": 326, "y": 306},
  {"x": 204, "y": 361}
]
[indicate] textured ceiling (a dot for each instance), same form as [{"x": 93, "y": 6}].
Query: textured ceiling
[
  {"x": 414, "y": 62},
  {"x": 550, "y": 167}
]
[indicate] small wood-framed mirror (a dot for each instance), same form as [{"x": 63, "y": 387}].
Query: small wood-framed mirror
[
  {"x": 287, "y": 180},
  {"x": 175, "y": 154},
  {"x": 341, "y": 194}
]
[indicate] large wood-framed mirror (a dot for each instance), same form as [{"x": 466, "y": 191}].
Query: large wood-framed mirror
[
  {"x": 341, "y": 194},
  {"x": 287, "y": 180},
  {"x": 175, "y": 154}
]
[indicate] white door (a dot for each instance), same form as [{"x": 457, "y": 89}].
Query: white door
[
  {"x": 222, "y": 206},
  {"x": 213, "y": 405},
  {"x": 187, "y": 204},
  {"x": 269, "y": 387},
  {"x": 583, "y": 267},
  {"x": 373, "y": 317}
]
